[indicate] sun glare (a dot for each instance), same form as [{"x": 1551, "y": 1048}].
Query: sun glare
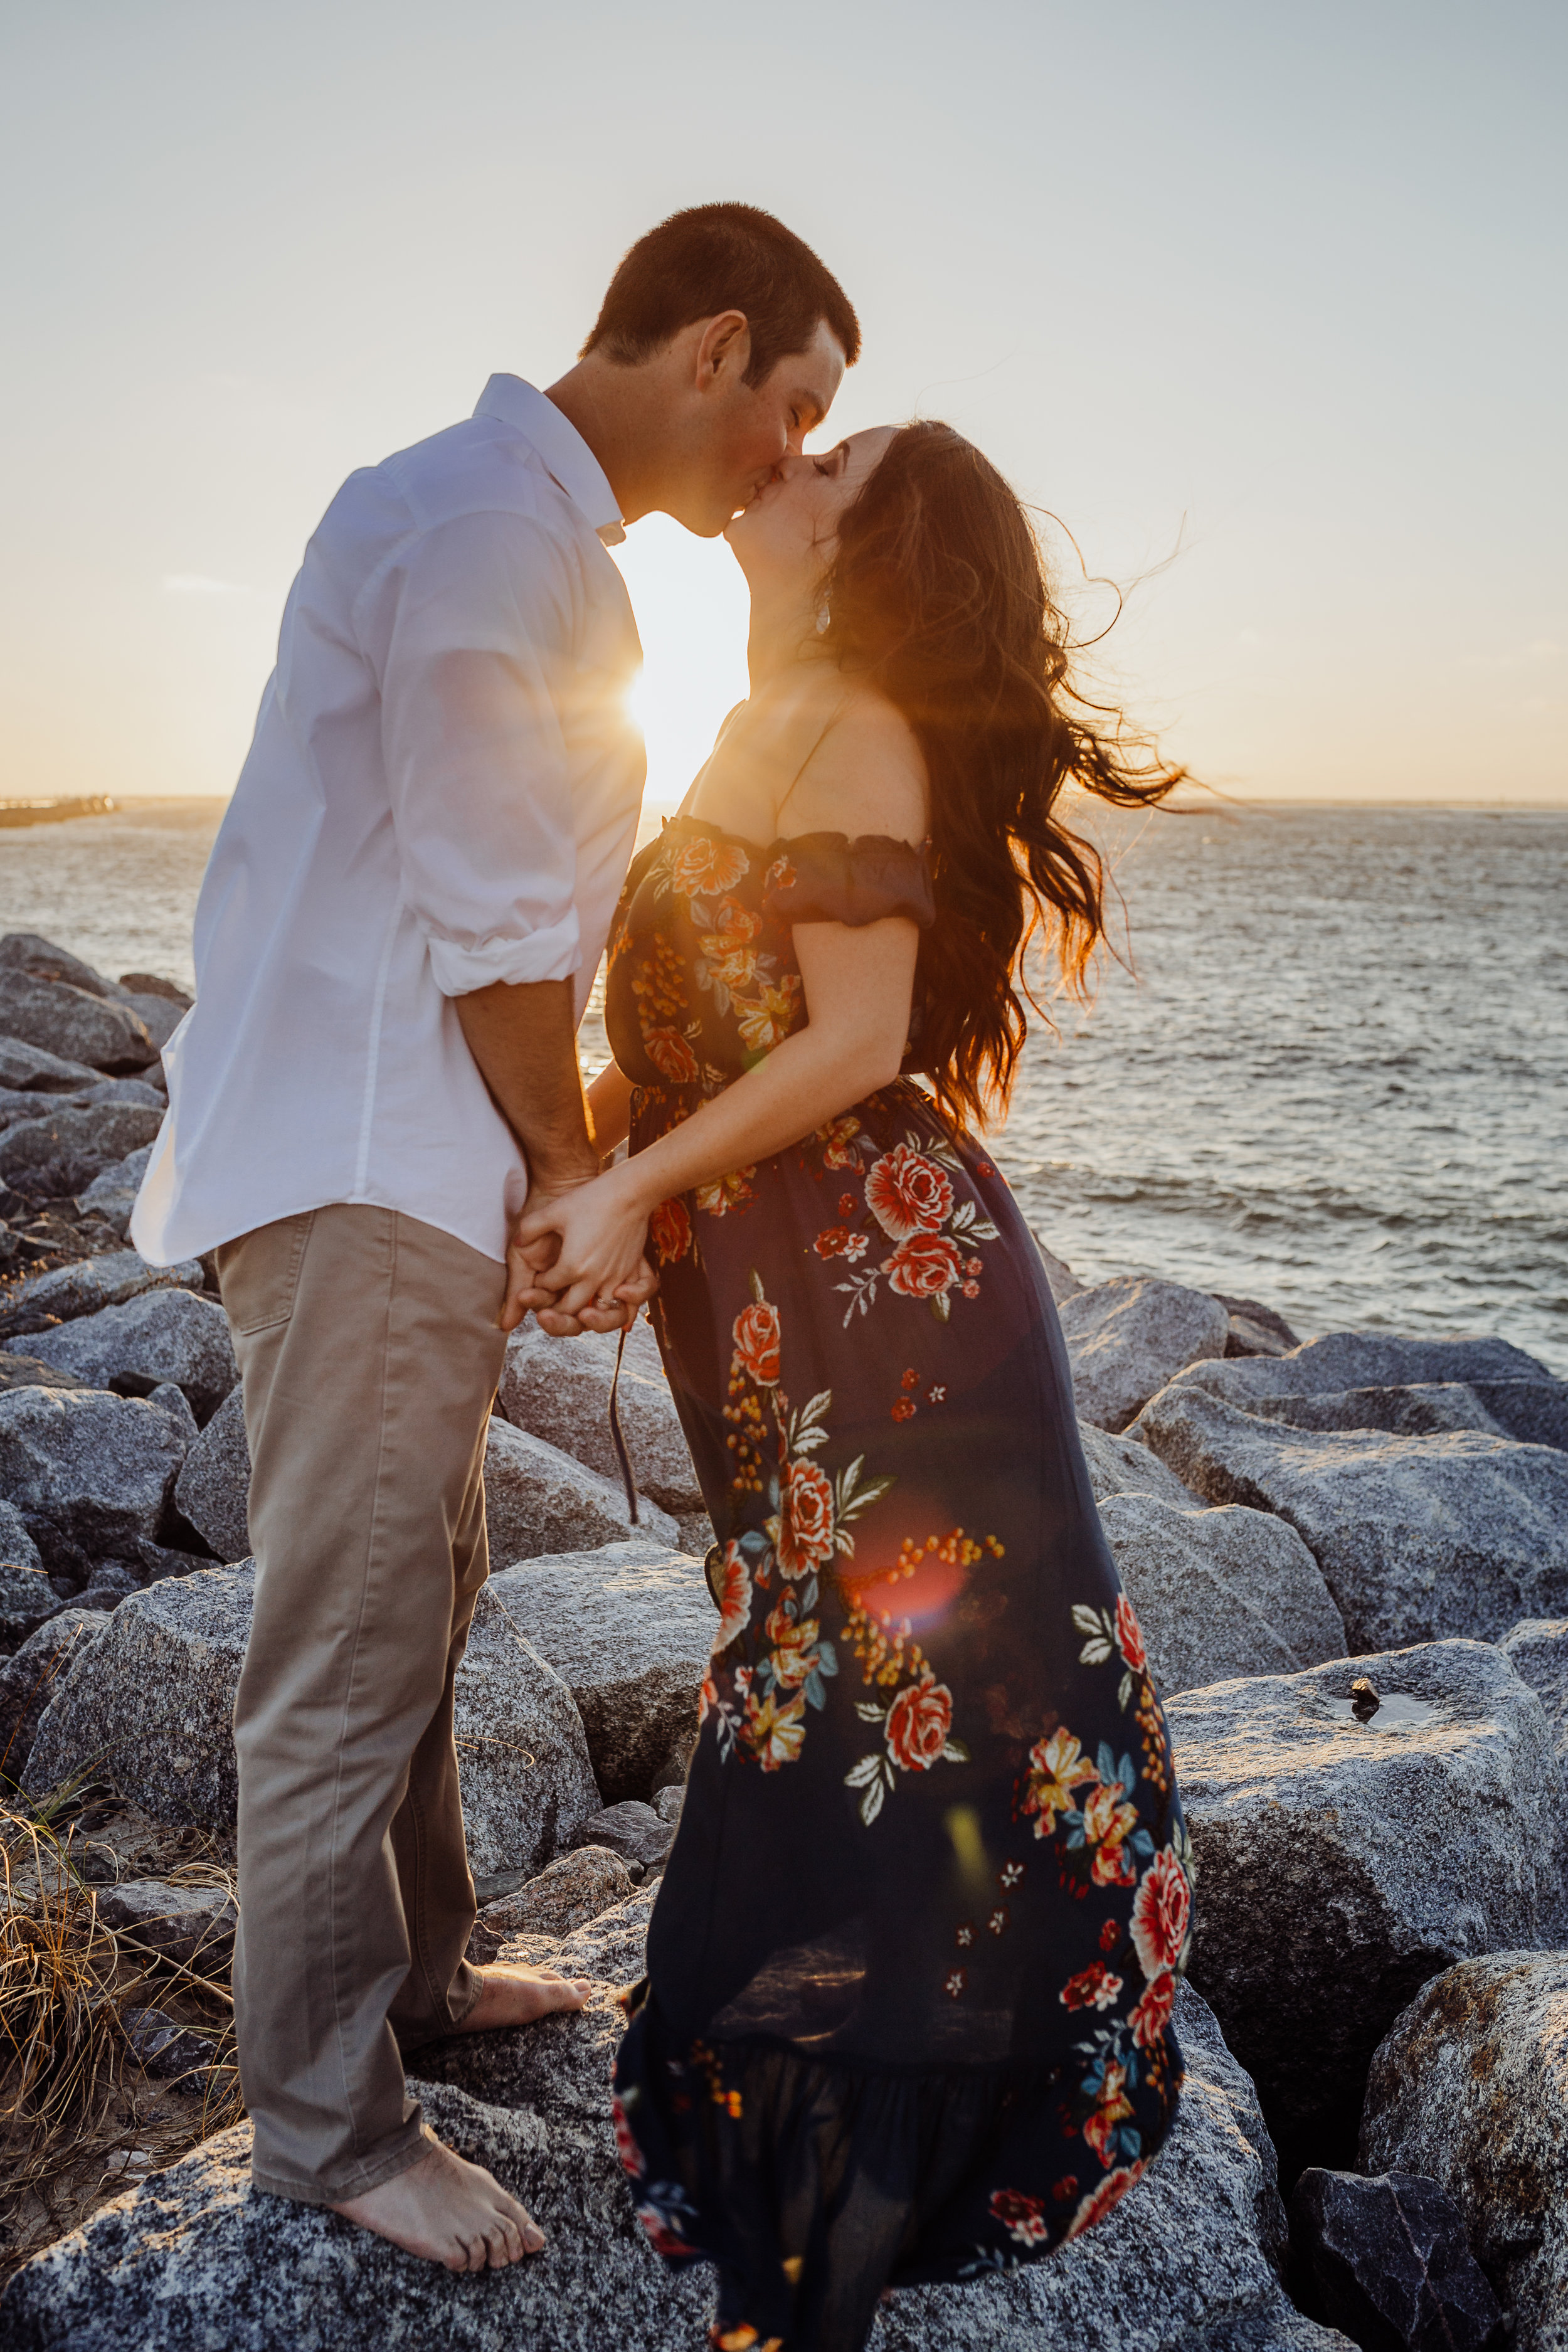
[{"x": 690, "y": 605}]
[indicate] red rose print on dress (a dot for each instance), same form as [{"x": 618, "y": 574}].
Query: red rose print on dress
[
  {"x": 756, "y": 1336},
  {"x": 1100, "y": 2201},
  {"x": 838, "y": 1241},
  {"x": 1129, "y": 1635},
  {"x": 1093, "y": 1988},
  {"x": 735, "y": 1598},
  {"x": 908, "y": 1193},
  {"x": 919, "y": 1722},
  {"x": 707, "y": 866},
  {"x": 669, "y": 1229},
  {"x": 1152, "y": 2013},
  {"x": 671, "y": 1056},
  {"x": 627, "y": 2148},
  {"x": 1161, "y": 1911},
  {"x": 1111, "y": 2108},
  {"x": 1023, "y": 2218},
  {"x": 925, "y": 1266},
  {"x": 802, "y": 1532}
]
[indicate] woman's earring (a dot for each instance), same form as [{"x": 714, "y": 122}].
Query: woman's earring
[{"x": 824, "y": 617}]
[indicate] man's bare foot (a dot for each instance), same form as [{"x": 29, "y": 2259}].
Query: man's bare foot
[
  {"x": 516, "y": 1996},
  {"x": 449, "y": 2211}
]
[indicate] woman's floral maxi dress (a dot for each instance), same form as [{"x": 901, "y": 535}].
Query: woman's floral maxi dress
[{"x": 911, "y": 1967}]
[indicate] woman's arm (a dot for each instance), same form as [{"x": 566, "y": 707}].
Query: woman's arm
[
  {"x": 858, "y": 984},
  {"x": 609, "y": 1099}
]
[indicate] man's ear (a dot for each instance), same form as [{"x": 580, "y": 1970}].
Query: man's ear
[{"x": 724, "y": 352}]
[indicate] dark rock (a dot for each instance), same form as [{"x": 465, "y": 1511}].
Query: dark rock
[
  {"x": 631, "y": 1829},
  {"x": 87, "y": 1285},
  {"x": 110, "y": 1583},
  {"x": 1340, "y": 1865},
  {"x": 1256, "y": 1329},
  {"x": 1417, "y": 1538},
  {"x": 24, "y": 1066},
  {"x": 26, "y": 1599},
  {"x": 629, "y": 1628},
  {"x": 1363, "y": 1360},
  {"x": 163, "y": 1335},
  {"x": 668, "y": 1802},
  {"x": 61, "y": 1152},
  {"x": 152, "y": 983},
  {"x": 1387, "y": 2261},
  {"x": 89, "y": 1472},
  {"x": 1535, "y": 1412},
  {"x": 30, "y": 952},
  {"x": 539, "y": 1500},
  {"x": 1470, "y": 2088},
  {"x": 169, "y": 2052},
  {"x": 112, "y": 1194},
  {"x": 27, "y": 1681},
  {"x": 73, "y": 1024},
  {"x": 214, "y": 1487},
  {"x": 1220, "y": 1593},
  {"x": 559, "y": 1390},
  {"x": 1127, "y": 1338},
  {"x": 194, "y": 1924},
  {"x": 156, "y": 1014}
]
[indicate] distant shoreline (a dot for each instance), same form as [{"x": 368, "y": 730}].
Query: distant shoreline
[{"x": 55, "y": 812}]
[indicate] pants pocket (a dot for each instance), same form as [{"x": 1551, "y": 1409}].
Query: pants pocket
[{"x": 259, "y": 1273}]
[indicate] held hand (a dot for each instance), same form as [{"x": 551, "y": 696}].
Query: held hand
[{"x": 577, "y": 1259}]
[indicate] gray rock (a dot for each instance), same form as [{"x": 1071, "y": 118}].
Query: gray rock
[
  {"x": 1256, "y": 1329},
  {"x": 24, "y": 1066},
  {"x": 1119, "y": 1466},
  {"x": 70, "y": 1023},
  {"x": 194, "y": 1924},
  {"x": 27, "y": 1681},
  {"x": 169, "y": 2051},
  {"x": 26, "y": 1598},
  {"x": 560, "y": 1390},
  {"x": 1533, "y": 1411},
  {"x": 27, "y": 1372},
  {"x": 571, "y": 1890},
  {"x": 148, "y": 1703},
  {"x": 29, "y": 951},
  {"x": 1128, "y": 1337},
  {"x": 155, "y": 984},
  {"x": 523, "y": 1759},
  {"x": 1220, "y": 1593},
  {"x": 1537, "y": 1650},
  {"x": 18, "y": 1557},
  {"x": 213, "y": 1488},
  {"x": 150, "y": 1708},
  {"x": 668, "y": 1802},
  {"x": 89, "y": 1473},
  {"x": 540, "y": 1500},
  {"x": 1363, "y": 1360},
  {"x": 87, "y": 1285},
  {"x": 1470, "y": 2088},
  {"x": 1388, "y": 2260},
  {"x": 112, "y": 1194},
  {"x": 157, "y": 1015},
  {"x": 110, "y": 1583},
  {"x": 164, "y": 1335},
  {"x": 1340, "y": 1865},
  {"x": 1418, "y": 1538},
  {"x": 632, "y": 1830},
  {"x": 629, "y": 1628},
  {"x": 62, "y": 1151}
]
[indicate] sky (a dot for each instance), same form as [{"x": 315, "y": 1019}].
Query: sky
[{"x": 1262, "y": 303}]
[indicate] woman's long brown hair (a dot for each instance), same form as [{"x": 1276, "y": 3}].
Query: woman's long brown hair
[{"x": 938, "y": 592}]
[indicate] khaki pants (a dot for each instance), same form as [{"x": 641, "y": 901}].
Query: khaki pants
[{"x": 369, "y": 1353}]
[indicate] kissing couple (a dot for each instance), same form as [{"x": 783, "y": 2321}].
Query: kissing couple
[{"x": 911, "y": 1967}]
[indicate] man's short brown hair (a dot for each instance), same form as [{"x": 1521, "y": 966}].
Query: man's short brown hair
[{"x": 716, "y": 257}]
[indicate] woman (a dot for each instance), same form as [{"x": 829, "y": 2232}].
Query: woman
[{"x": 912, "y": 1968}]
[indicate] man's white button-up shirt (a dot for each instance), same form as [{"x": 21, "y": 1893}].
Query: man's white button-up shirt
[{"x": 443, "y": 790}]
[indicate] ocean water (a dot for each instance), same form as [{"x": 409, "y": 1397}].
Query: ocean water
[{"x": 1336, "y": 1079}]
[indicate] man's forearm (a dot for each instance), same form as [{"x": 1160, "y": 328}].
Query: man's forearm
[{"x": 523, "y": 1038}]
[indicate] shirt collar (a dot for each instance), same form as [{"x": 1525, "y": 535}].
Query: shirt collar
[{"x": 567, "y": 457}]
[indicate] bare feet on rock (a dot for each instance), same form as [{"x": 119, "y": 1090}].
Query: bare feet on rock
[
  {"x": 449, "y": 2211},
  {"x": 515, "y": 1996}
]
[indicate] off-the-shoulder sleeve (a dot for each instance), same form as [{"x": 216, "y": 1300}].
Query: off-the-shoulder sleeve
[{"x": 824, "y": 878}]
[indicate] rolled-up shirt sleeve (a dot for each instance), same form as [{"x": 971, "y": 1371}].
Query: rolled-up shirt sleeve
[{"x": 476, "y": 762}]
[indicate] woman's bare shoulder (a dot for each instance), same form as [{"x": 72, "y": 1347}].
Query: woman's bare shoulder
[{"x": 866, "y": 774}]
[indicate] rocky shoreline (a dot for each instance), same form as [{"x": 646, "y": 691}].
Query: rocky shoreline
[{"x": 1349, "y": 1556}]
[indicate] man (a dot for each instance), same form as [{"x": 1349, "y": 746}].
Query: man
[{"x": 394, "y": 941}]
